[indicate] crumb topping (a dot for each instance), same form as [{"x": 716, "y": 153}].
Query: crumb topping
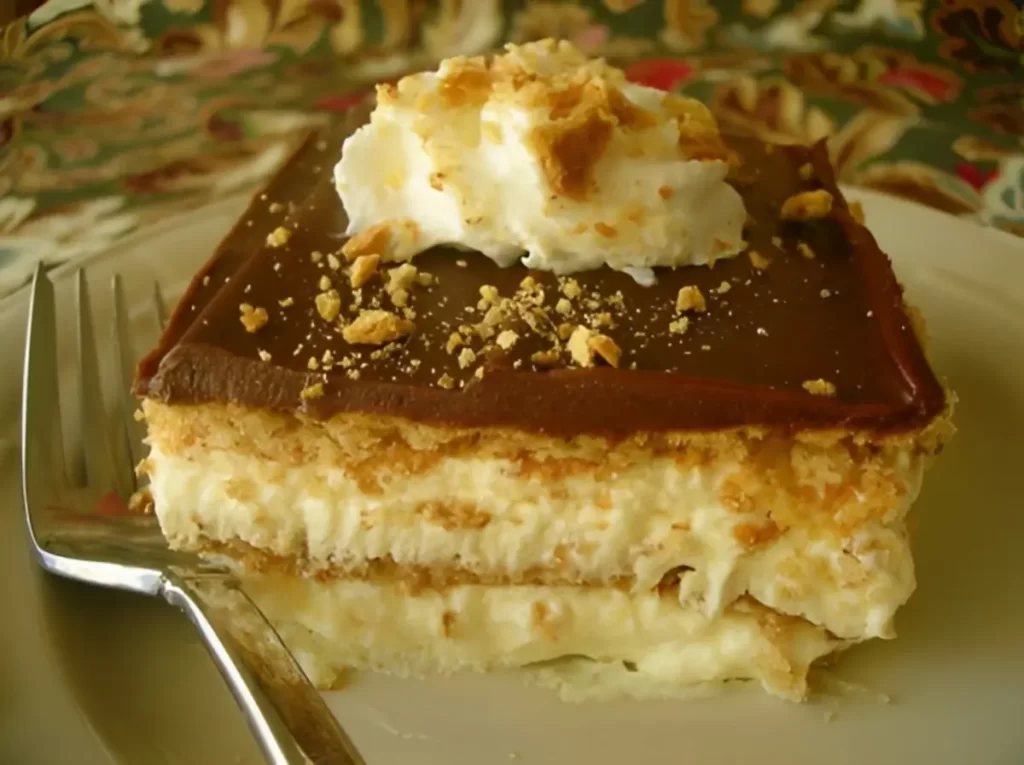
[
  {"x": 376, "y": 327},
  {"x": 758, "y": 261},
  {"x": 579, "y": 346},
  {"x": 363, "y": 269},
  {"x": 253, "y": 319},
  {"x": 690, "y": 299},
  {"x": 606, "y": 348},
  {"x": 279, "y": 237},
  {"x": 374, "y": 239},
  {"x": 506, "y": 339},
  {"x": 805, "y": 250},
  {"x": 819, "y": 387},
  {"x": 807, "y": 205},
  {"x": 679, "y": 326},
  {"x": 328, "y": 304},
  {"x": 315, "y": 390}
]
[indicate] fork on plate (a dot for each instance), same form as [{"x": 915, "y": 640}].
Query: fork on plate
[{"x": 80, "y": 526}]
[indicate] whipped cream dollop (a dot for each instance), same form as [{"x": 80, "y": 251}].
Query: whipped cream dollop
[{"x": 544, "y": 155}]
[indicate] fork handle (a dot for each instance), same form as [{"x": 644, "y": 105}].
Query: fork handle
[{"x": 289, "y": 719}]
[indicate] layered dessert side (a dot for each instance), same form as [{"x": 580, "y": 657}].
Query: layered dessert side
[{"x": 545, "y": 373}]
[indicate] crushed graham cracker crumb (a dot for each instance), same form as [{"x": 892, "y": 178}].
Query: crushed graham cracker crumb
[
  {"x": 316, "y": 390},
  {"x": 376, "y": 327},
  {"x": 606, "y": 348},
  {"x": 328, "y": 305},
  {"x": 312, "y": 363},
  {"x": 758, "y": 261},
  {"x": 507, "y": 338},
  {"x": 206, "y": 280},
  {"x": 446, "y": 381},
  {"x": 723, "y": 288},
  {"x": 264, "y": 355},
  {"x": 571, "y": 289},
  {"x": 690, "y": 299},
  {"x": 545, "y": 359},
  {"x": 363, "y": 269},
  {"x": 563, "y": 306},
  {"x": 332, "y": 261},
  {"x": 252, "y": 318},
  {"x": 466, "y": 357},
  {"x": 806, "y": 171},
  {"x": 373, "y": 239},
  {"x": 819, "y": 387},
  {"x": 454, "y": 341},
  {"x": 401, "y": 278},
  {"x": 316, "y": 256},
  {"x": 579, "y": 346},
  {"x": 275, "y": 207},
  {"x": 807, "y": 205},
  {"x": 279, "y": 236},
  {"x": 679, "y": 326},
  {"x": 424, "y": 279},
  {"x": 488, "y": 296},
  {"x": 805, "y": 249}
]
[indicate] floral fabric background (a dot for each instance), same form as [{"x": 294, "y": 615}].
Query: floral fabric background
[{"x": 115, "y": 114}]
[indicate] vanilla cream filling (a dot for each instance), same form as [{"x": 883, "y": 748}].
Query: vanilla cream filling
[
  {"x": 669, "y": 646},
  {"x": 639, "y": 522}
]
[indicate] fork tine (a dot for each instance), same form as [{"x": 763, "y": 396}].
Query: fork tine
[
  {"x": 98, "y": 436},
  {"x": 126, "y": 356},
  {"x": 42, "y": 440},
  {"x": 160, "y": 305}
]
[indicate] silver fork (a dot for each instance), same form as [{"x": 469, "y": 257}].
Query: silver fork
[{"x": 80, "y": 528}]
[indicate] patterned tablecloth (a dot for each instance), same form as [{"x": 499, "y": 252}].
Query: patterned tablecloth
[{"x": 115, "y": 114}]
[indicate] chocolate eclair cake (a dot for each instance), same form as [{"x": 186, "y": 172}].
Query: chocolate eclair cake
[{"x": 597, "y": 385}]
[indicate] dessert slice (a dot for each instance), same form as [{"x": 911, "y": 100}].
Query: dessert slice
[{"x": 678, "y": 448}]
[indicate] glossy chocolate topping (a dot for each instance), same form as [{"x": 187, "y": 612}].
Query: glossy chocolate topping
[{"x": 823, "y": 307}]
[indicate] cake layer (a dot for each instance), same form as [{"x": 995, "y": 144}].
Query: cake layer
[
  {"x": 805, "y": 330},
  {"x": 811, "y": 526},
  {"x": 645, "y": 645}
]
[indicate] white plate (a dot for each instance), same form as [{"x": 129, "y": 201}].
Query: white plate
[{"x": 93, "y": 676}]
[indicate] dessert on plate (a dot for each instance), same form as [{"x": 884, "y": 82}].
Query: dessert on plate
[{"x": 546, "y": 374}]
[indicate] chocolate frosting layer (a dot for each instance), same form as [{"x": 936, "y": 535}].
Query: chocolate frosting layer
[{"x": 836, "y": 317}]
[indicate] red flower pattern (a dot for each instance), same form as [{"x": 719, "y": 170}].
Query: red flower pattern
[
  {"x": 978, "y": 177},
  {"x": 921, "y": 82},
  {"x": 661, "y": 73}
]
